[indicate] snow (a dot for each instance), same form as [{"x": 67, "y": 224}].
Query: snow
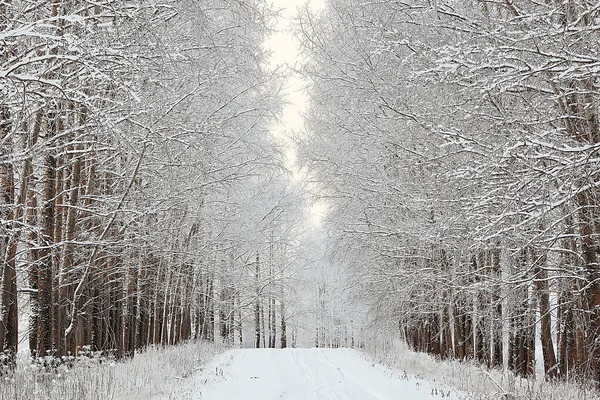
[
  {"x": 207, "y": 371},
  {"x": 304, "y": 374},
  {"x": 474, "y": 379},
  {"x": 153, "y": 372}
]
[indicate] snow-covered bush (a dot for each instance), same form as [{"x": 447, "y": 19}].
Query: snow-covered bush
[
  {"x": 479, "y": 382},
  {"x": 154, "y": 372}
]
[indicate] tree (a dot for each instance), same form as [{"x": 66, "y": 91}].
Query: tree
[
  {"x": 467, "y": 133},
  {"x": 126, "y": 126}
]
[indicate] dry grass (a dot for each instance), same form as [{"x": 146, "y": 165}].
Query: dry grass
[
  {"x": 153, "y": 373},
  {"x": 478, "y": 382}
]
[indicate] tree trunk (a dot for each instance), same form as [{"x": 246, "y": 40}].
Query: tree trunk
[
  {"x": 66, "y": 275},
  {"x": 542, "y": 286},
  {"x": 257, "y": 309},
  {"x": 8, "y": 248},
  {"x": 591, "y": 305},
  {"x": 283, "y": 325},
  {"x": 45, "y": 279}
]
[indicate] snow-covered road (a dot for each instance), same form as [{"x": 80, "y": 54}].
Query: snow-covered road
[{"x": 306, "y": 374}]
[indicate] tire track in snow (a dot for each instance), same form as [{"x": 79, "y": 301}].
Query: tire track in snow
[{"x": 305, "y": 374}]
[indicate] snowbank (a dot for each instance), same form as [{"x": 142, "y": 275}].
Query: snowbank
[
  {"x": 155, "y": 372},
  {"x": 476, "y": 380}
]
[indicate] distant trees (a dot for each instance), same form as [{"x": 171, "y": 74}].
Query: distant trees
[
  {"x": 456, "y": 144},
  {"x": 128, "y": 133}
]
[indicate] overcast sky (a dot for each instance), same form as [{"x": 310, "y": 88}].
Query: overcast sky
[{"x": 285, "y": 53}]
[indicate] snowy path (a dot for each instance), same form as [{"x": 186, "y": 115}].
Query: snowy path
[{"x": 306, "y": 374}]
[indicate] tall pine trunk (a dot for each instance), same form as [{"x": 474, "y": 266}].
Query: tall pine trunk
[
  {"x": 8, "y": 248},
  {"x": 45, "y": 278}
]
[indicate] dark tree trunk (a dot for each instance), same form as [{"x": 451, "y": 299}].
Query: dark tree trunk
[
  {"x": 8, "y": 250},
  {"x": 45, "y": 278},
  {"x": 257, "y": 308},
  {"x": 283, "y": 325}
]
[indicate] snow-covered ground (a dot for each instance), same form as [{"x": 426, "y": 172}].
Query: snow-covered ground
[
  {"x": 480, "y": 382},
  {"x": 208, "y": 371},
  {"x": 156, "y": 371},
  {"x": 304, "y": 374}
]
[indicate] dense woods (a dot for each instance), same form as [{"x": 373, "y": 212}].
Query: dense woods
[
  {"x": 142, "y": 200},
  {"x": 456, "y": 143},
  {"x": 453, "y": 144}
]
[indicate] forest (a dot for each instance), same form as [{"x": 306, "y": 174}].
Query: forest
[
  {"x": 146, "y": 200},
  {"x": 456, "y": 143},
  {"x": 142, "y": 200}
]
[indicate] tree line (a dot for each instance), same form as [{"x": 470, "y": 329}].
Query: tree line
[
  {"x": 456, "y": 143},
  {"x": 142, "y": 200}
]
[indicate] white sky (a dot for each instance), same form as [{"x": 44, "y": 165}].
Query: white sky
[{"x": 284, "y": 49}]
